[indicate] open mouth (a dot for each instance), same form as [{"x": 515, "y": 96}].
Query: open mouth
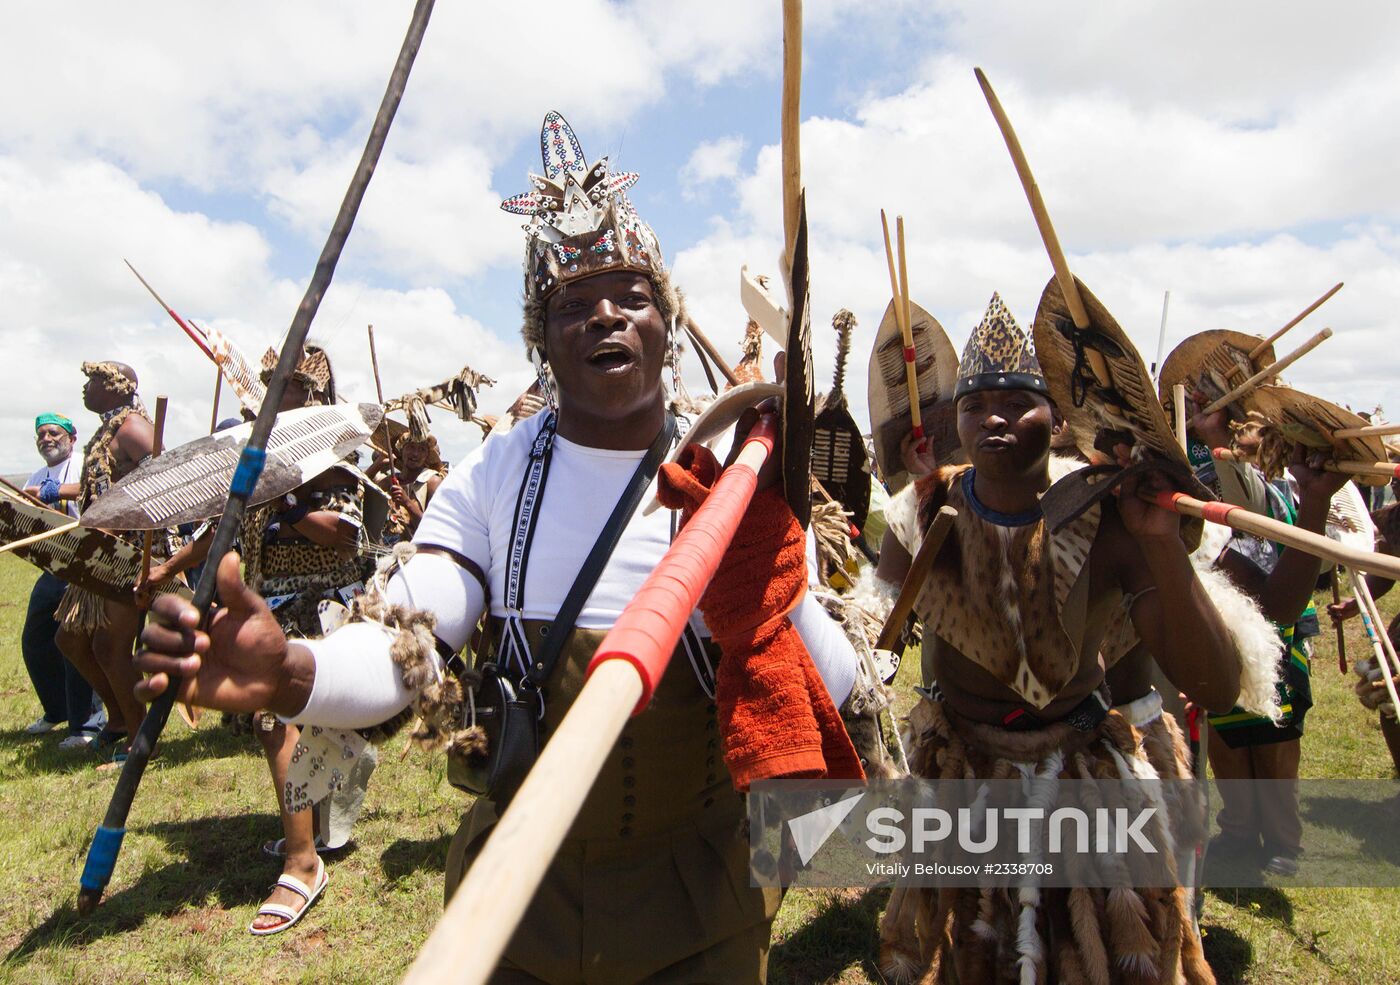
[{"x": 611, "y": 357}]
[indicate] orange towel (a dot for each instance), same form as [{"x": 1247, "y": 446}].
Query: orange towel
[{"x": 775, "y": 714}]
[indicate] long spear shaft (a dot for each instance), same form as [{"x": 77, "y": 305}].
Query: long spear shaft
[
  {"x": 379, "y": 391},
  {"x": 106, "y": 845},
  {"x": 218, "y": 389},
  {"x": 196, "y": 336}
]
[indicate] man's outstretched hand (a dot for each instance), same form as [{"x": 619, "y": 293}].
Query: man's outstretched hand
[{"x": 241, "y": 664}]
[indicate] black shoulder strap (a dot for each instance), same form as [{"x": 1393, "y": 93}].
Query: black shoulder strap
[{"x": 597, "y": 559}]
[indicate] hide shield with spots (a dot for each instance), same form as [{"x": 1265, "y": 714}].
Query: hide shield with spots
[
  {"x": 936, "y": 369},
  {"x": 90, "y": 559}
]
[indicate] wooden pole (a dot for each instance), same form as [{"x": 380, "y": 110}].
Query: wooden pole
[
  {"x": 699, "y": 338},
  {"x": 1238, "y": 518},
  {"x": 1385, "y": 651},
  {"x": 379, "y": 390},
  {"x": 1179, "y": 412},
  {"x": 1384, "y": 470},
  {"x": 1341, "y": 633},
  {"x": 1268, "y": 371},
  {"x": 1077, "y": 312},
  {"x": 914, "y": 581},
  {"x": 218, "y": 389},
  {"x": 473, "y": 932},
  {"x": 15, "y": 545},
  {"x": 148, "y": 538},
  {"x": 899, "y": 293},
  {"x": 791, "y": 123},
  {"x": 1370, "y": 431},
  {"x": 1259, "y": 349}
]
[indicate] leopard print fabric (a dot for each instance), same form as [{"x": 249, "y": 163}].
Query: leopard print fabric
[{"x": 309, "y": 571}]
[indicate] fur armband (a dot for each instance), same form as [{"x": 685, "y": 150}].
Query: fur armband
[{"x": 441, "y": 698}]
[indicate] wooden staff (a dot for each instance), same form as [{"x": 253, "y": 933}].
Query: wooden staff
[
  {"x": 1238, "y": 518},
  {"x": 148, "y": 538},
  {"x": 1383, "y": 469},
  {"x": 1370, "y": 431},
  {"x": 900, "y": 300},
  {"x": 914, "y": 580},
  {"x": 15, "y": 545},
  {"x": 698, "y": 337},
  {"x": 218, "y": 389},
  {"x": 1380, "y": 639},
  {"x": 791, "y": 123},
  {"x": 196, "y": 336},
  {"x": 1179, "y": 412},
  {"x": 1259, "y": 349},
  {"x": 379, "y": 390},
  {"x": 477, "y": 924},
  {"x": 1268, "y": 372},
  {"x": 1068, "y": 287},
  {"x": 1341, "y": 633}
]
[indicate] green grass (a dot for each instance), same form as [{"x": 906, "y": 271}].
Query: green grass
[{"x": 191, "y": 873}]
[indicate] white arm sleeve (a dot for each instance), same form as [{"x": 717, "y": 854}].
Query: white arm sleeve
[
  {"x": 357, "y": 683},
  {"x": 826, "y": 641}
]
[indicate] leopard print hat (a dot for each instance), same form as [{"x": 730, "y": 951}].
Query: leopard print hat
[{"x": 999, "y": 356}]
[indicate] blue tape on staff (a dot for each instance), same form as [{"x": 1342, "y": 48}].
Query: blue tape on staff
[
  {"x": 250, "y": 466},
  {"x": 102, "y": 858}
]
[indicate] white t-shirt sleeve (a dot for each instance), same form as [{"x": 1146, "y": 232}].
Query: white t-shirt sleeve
[{"x": 831, "y": 651}]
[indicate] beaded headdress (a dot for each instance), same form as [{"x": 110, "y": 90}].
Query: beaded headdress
[
  {"x": 999, "y": 356},
  {"x": 580, "y": 224}
]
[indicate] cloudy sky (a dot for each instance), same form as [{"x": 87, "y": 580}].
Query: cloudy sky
[{"x": 1240, "y": 155}]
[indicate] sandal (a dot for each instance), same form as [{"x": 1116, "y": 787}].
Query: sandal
[
  {"x": 286, "y": 913},
  {"x": 278, "y": 848}
]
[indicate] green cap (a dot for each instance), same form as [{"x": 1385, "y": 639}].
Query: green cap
[{"x": 58, "y": 419}]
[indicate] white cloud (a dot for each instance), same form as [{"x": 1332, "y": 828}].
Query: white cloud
[{"x": 712, "y": 160}]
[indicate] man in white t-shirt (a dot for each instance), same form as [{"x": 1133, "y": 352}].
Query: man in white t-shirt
[{"x": 63, "y": 692}]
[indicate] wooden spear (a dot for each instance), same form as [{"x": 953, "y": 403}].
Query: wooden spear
[
  {"x": 1077, "y": 312},
  {"x": 1370, "y": 431},
  {"x": 899, "y": 288},
  {"x": 699, "y": 338},
  {"x": 1268, "y": 372},
  {"x": 379, "y": 391},
  {"x": 1341, "y": 633},
  {"x": 1262, "y": 347},
  {"x": 791, "y": 124},
  {"x": 1179, "y": 412},
  {"x": 15, "y": 545},
  {"x": 218, "y": 389},
  {"x": 1238, "y": 518}
]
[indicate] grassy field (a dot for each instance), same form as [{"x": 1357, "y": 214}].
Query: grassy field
[{"x": 191, "y": 874}]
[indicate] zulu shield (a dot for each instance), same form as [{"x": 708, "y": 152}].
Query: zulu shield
[
  {"x": 838, "y": 451},
  {"x": 1313, "y": 422},
  {"x": 191, "y": 482},
  {"x": 91, "y": 559}
]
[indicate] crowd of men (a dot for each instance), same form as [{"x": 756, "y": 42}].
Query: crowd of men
[{"x": 1094, "y": 632}]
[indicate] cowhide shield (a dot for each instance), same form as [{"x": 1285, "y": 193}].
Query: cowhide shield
[
  {"x": 191, "y": 482},
  {"x": 799, "y": 407},
  {"x": 1126, "y": 412},
  {"x": 1211, "y": 364},
  {"x": 1311, "y": 421},
  {"x": 936, "y": 371},
  {"x": 838, "y": 450},
  {"x": 91, "y": 559}
]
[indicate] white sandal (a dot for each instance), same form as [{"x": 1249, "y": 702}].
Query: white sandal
[{"x": 288, "y": 915}]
